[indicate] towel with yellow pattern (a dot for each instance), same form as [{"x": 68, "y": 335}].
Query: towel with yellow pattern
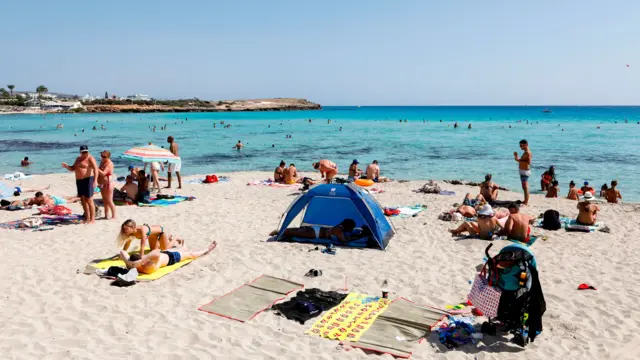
[
  {"x": 115, "y": 261},
  {"x": 351, "y": 318}
]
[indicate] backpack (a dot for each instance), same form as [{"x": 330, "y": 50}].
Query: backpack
[{"x": 551, "y": 220}]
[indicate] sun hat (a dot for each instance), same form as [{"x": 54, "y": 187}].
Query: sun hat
[
  {"x": 588, "y": 196},
  {"x": 486, "y": 210}
]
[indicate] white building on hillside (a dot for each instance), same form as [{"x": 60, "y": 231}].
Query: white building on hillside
[
  {"x": 139, "y": 97},
  {"x": 60, "y": 105}
]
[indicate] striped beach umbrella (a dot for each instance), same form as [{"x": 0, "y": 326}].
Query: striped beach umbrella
[{"x": 150, "y": 153}]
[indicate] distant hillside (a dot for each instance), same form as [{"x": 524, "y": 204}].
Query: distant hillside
[{"x": 195, "y": 105}]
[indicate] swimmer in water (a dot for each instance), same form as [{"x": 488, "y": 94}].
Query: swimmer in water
[{"x": 238, "y": 146}]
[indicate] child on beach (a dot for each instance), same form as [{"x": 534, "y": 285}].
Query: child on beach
[{"x": 152, "y": 235}]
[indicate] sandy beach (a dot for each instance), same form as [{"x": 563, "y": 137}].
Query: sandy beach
[{"x": 50, "y": 309}]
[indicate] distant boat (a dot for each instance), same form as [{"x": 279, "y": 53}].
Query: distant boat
[{"x": 546, "y": 111}]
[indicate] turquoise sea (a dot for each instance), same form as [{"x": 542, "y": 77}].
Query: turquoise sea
[{"x": 597, "y": 144}]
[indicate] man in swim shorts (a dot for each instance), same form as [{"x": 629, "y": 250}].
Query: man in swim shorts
[
  {"x": 524, "y": 167},
  {"x": 86, "y": 171},
  {"x": 156, "y": 259},
  {"x": 290, "y": 174},
  {"x": 328, "y": 169},
  {"x": 278, "y": 175},
  {"x": 173, "y": 147},
  {"x": 517, "y": 225}
]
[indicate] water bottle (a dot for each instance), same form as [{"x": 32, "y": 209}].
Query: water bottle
[{"x": 385, "y": 289}]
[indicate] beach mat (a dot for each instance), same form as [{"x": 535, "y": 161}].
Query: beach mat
[
  {"x": 350, "y": 319},
  {"x": 115, "y": 261},
  {"x": 249, "y": 300},
  {"x": 165, "y": 202},
  {"x": 399, "y": 328}
]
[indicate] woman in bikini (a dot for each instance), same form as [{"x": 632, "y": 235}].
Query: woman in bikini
[
  {"x": 106, "y": 183},
  {"x": 152, "y": 235}
]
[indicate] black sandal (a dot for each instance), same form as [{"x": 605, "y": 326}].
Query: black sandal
[{"x": 313, "y": 273}]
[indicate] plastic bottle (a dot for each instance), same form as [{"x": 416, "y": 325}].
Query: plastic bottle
[{"x": 385, "y": 289}]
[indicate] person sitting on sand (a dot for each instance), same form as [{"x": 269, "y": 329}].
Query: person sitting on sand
[
  {"x": 25, "y": 161},
  {"x": 354, "y": 172},
  {"x": 488, "y": 189},
  {"x": 328, "y": 169},
  {"x": 152, "y": 235},
  {"x": 587, "y": 211},
  {"x": 156, "y": 259},
  {"x": 128, "y": 192},
  {"x": 573, "y": 192},
  {"x": 547, "y": 178},
  {"x": 373, "y": 172},
  {"x": 238, "y": 146},
  {"x": 553, "y": 190},
  {"x": 586, "y": 188},
  {"x": 517, "y": 225},
  {"x": 278, "y": 175},
  {"x": 486, "y": 225},
  {"x": 612, "y": 195},
  {"x": 134, "y": 171},
  {"x": 291, "y": 174},
  {"x": 339, "y": 232},
  {"x": 143, "y": 187}
]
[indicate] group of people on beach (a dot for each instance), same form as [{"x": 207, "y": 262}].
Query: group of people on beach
[{"x": 328, "y": 171}]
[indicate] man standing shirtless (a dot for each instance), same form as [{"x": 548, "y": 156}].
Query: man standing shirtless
[
  {"x": 86, "y": 170},
  {"x": 328, "y": 169},
  {"x": 524, "y": 166},
  {"x": 173, "y": 147}
]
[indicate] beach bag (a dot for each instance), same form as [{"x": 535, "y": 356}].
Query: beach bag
[
  {"x": 484, "y": 296},
  {"x": 210, "y": 179},
  {"x": 551, "y": 220}
]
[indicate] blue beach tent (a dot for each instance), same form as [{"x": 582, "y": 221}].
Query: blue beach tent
[{"x": 328, "y": 205}]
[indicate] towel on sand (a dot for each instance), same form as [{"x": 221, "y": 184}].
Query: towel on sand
[
  {"x": 115, "y": 261},
  {"x": 408, "y": 211},
  {"x": 166, "y": 202},
  {"x": 16, "y": 176},
  {"x": 271, "y": 183},
  {"x": 249, "y": 300}
]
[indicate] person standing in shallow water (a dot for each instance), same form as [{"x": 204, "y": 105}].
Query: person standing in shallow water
[
  {"x": 86, "y": 170},
  {"x": 524, "y": 168}
]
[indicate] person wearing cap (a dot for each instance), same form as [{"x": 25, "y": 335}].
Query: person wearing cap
[
  {"x": 553, "y": 190},
  {"x": 586, "y": 188},
  {"x": 524, "y": 168},
  {"x": 290, "y": 174},
  {"x": 328, "y": 169},
  {"x": 587, "y": 211},
  {"x": 488, "y": 189},
  {"x": 517, "y": 225},
  {"x": 612, "y": 195},
  {"x": 573, "y": 192},
  {"x": 484, "y": 228},
  {"x": 354, "y": 172},
  {"x": 133, "y": 171},
  {"x": 278, "y": 173},
  {"x": 86, "y": 170}
]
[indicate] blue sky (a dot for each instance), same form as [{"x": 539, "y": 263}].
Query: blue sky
[{"x": 371, "y": 52}]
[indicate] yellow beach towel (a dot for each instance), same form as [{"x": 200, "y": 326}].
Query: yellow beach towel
[
  {"x": 350, "y": 319},
  {"x": 115, "y": 261}
]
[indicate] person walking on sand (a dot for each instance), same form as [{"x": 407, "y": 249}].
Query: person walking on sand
[
  {"x": 173, "y": 147},
  {"x": 524, "y": 167},
  {"x": 107, "y": 183},
  {"x": 612, "y": 195},
  {"x": 328, "y": 169},
  {"x": 86, "y": 171}
]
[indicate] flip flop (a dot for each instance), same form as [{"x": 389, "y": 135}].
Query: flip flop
[{"x": 313, "y": 273}]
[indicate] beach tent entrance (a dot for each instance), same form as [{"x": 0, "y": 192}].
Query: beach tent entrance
[{"x": 328, "y": 205}]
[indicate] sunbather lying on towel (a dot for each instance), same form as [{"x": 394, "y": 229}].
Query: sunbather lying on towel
[
  {"x": 152, "y": 235},
  {"x": 38, "y": 200},
  {"x": 340, "y": 232},
  {"x": 156, "y": 259},
  {"x": 485, "y": 227}
]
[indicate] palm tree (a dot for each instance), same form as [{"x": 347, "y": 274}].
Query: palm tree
[
  {"x": 42, "y": 90},
  {"x": 11, "y": 87},
  {"x": 4, "y": 93}
]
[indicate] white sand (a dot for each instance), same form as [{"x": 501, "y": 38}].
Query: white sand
[{"x": 49, "y": 309}]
